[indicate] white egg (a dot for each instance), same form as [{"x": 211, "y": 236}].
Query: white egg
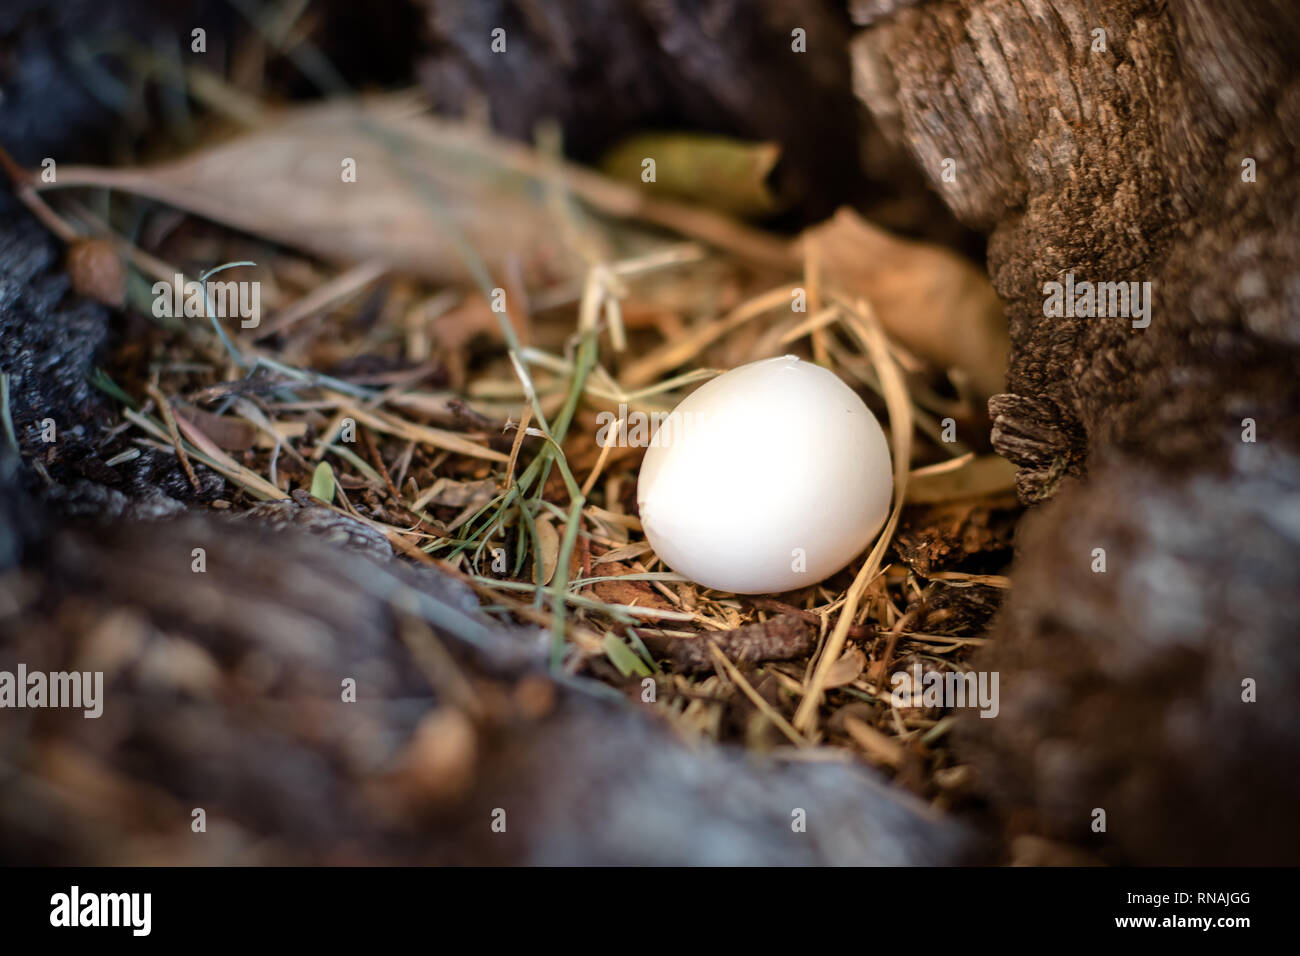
[{"x": 770, "y": 477}]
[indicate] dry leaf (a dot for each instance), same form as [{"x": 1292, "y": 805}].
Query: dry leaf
[
  {"x": 639, "y": 593},
  {"x": 846, "y": 669},
  {"x": 548, "y": 542},
  {"x": 228, "y": 434},
  {"x": 426, "y": 192},
  {"x": 627, "y": 551},
  {"x": 930, "y": 299},
  {"x": 458, "y": 326},
  {"x": 286, "y": 431},
  {"x": 414, "y": 191},
  {"x": 727, "y": 174}
]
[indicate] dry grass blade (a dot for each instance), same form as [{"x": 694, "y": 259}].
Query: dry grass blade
[
  {"x": 521, "y": 430},
  {"x": 679, "y": 351},
  {"x": 597, "y": 468},
  {"x": 879, "y": 746},
  {"x": 425, "y": 434},
  {"x": 210, "y": 455},
  {"x": 960, "y": 577},
  {"x": 335, "y": 290},
  {"x": 169, "y": 419},
  {"x": 737, "y": 678}
]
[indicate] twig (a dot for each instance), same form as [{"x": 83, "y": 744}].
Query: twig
[
  {"x": 524, "y": 418},
  {"x": 894, "y": 633},
  {"x": 25, "y": 190},
  {"x": 169, "y": 419},
  {"x": 782, "y": 638}
]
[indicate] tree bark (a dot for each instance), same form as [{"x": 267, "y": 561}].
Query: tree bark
[{"x": 1124, "y": 688}]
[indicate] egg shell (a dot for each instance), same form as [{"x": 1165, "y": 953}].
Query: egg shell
[{"x": 770, "y": 477}]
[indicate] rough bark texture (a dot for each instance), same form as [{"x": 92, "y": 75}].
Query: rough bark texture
[
  {"x": 1123, "y": 690},
  {"x": 50, "y": 343},
  {"x": 1117, "y": 165},
  {"x": 223, "y": 692}
]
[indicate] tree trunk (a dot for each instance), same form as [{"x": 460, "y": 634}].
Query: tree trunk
[{"x": 1126, "y": 689}]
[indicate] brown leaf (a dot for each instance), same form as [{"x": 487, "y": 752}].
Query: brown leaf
[
  {"x": 928, "y": 298},
  {"x": 846, "y": 669},
  {"x": 419, "y": 187},
  {"x": 450, "y": 493},
  {"x": 639, "y": 593},
  {"x": 455, "y": 328},
  {"x": 229, "y": 434},
  {"x": 548, "y": 542}
]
